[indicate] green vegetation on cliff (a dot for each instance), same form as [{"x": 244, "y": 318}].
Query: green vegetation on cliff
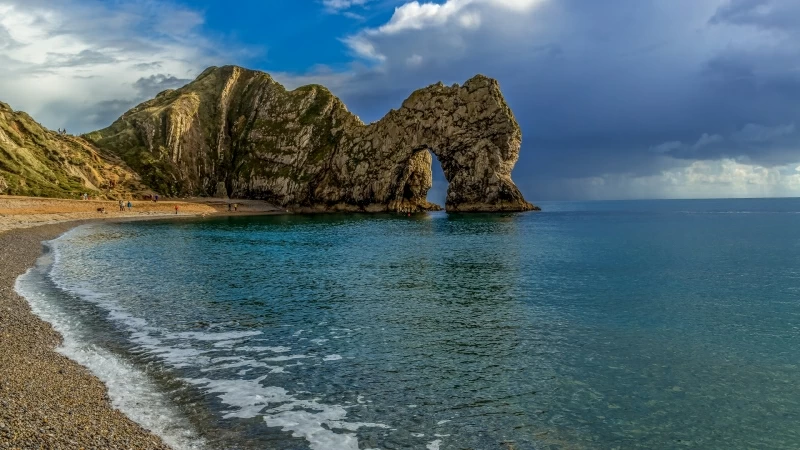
[
  {"x": 38, "y": 162},
  {"x": 231, "y": 128}
]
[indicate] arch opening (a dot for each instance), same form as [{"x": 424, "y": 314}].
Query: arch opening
[
  {"x": 437, "y": 194},
  {"x": 413, "y": 182}
]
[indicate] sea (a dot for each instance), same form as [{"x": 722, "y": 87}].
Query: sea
[{"x": 668, "y": 324}]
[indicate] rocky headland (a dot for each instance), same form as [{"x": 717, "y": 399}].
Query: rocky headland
[{"x": 238, "y": 133}]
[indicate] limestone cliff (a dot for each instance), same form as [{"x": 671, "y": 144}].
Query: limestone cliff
[
  {"x": 39, "y": 162},
  {"x": 238, "y": 132}
]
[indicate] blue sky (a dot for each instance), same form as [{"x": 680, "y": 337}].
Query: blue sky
[
  {"x": 286, "y": 35},
  {"x": 616, "y": 98}
]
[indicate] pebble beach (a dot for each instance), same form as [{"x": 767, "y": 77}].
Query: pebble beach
[{"x": 47, "y": 400}]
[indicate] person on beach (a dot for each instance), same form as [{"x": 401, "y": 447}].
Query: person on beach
[
  {"x": 130, "y": 205},
  {"x": 235, "y": 207},
  {"x": 176, "y": 209},
  {"x": 121, "y": 206},
  {"x": 229, "y": 207}
]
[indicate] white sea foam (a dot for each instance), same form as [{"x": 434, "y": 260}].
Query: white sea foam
[
  {"x": 262, "y": 349},
  {"x": 307, "y": 419},
  {"x": 227, "y": 344},
  {"x": 130, "y": 390},
  {"x": 323, "y": 426},
  {"x": 243, "y": 363},
  {"x": 285, "y": 358},
  {"x": 208, "y": 336},
  {"x": 434, "y": 445}
]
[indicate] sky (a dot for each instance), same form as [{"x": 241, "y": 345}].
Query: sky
[{"x": 616, "y": 99}]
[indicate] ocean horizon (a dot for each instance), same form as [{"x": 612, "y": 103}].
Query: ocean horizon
[{"x": 604, "y": 324}]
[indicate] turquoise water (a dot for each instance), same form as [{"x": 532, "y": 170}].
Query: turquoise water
[{"x": 651, "y": 324}]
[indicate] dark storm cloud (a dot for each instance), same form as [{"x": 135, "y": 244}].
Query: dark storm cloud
[
  {"x": 94, "y": 116},
  {"x": 103, "y": 114},
  {"x": 150, "y": 86},
  {"x": 761, "y": 13},
  {"x": 88, "y": 116},
  {"x": 596, "y": 86},
  {"x": 155, "y": 65},
  {"x": 615, "y": 89}
]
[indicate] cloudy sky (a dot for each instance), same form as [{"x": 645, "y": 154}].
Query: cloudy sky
[{"x": 616, "y": 98}]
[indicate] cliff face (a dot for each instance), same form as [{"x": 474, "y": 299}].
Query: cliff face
[
  {"x": 238, "y": 132},
  {"x": 38, "y": 162}
]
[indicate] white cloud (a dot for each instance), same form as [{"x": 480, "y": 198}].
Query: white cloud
[
  {"x": 720, "y": 178},
  {"x": 341, "y": 5},
  {"x": 470, "y": 21},
  {"x": 416, "y": 16},
  {"x": 75, "y": 64},
  {"x": 414, "y": 60},
  {"x": 364, "y": 48},
  {"x": 448, "y": 19}
]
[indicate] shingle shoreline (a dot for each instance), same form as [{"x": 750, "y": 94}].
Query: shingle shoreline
[{"x": 47, "y": 400}]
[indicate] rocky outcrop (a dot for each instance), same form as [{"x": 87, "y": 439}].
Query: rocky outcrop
[
  {"x": 38, "y": 162},
  {"x": 238, "y": 132}
]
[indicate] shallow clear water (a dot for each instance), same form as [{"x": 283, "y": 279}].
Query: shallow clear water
[{"x": 652, "y": 324}]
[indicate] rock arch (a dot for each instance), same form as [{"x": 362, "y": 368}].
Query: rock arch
[
  {"x": 473, "y": 134},
  {"x": 241, "y": 130}
]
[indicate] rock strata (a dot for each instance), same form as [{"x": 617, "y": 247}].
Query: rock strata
[{"x": 239, "y": 133}]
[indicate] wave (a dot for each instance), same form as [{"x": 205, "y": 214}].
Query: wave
[
  {"x": 130, "y": 389},
  {"x": 137, "y": 396}
]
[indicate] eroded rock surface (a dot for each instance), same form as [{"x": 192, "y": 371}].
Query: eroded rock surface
[{"x": 238, "y": 132}]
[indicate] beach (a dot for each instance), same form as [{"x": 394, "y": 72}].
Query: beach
[
  {"x": 25, "y": 212},
  {"x": 46, "y": 399}
]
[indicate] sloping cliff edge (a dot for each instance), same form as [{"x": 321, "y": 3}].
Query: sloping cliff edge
[{"x": 35, "y": 161}]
